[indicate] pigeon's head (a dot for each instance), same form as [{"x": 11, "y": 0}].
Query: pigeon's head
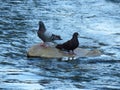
[
  {"x": 76, "y": 34},
  {"x": 41, "y": 23},
  {"x": 56, "y": 37},
  {"x": 41, "y": 26}
]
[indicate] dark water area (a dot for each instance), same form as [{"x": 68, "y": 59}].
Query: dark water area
[{"x": 97, "y": 21}]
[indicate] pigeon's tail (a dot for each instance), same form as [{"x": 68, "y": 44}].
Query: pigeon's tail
[
  {"x": 55, "y": 37},
  {"x": 59, "y": 46}
]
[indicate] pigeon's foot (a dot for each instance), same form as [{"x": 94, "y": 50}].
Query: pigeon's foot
[{"x": 44, "y": 45}]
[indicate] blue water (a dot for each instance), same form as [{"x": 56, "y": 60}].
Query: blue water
[{"x": 98, "y": 23}]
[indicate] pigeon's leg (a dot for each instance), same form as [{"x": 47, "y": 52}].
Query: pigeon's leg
[{"x": 71, "y": 52}]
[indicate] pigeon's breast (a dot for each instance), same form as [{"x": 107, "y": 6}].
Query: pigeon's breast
[{"x": 46, "y": 37}]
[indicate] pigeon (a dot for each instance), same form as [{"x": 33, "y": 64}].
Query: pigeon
[
  {"x": 70, "y": 45},
  {"x": 46, "y": 36}
]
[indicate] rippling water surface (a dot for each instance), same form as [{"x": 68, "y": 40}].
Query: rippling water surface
[{"x": 97, "y": 21}]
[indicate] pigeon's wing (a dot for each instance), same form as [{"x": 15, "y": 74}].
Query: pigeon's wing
[
  {"x": 48, "y": 34},
  {"x": 67, "y": 44}
]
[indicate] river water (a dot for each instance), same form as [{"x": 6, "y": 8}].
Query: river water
[{"x": 97, "y": 21}]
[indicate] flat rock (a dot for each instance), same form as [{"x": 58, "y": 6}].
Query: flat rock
[{"x": 52, "y": 52}]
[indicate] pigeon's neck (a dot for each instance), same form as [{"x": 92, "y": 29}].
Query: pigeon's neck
[
  {"x": 42, "y": 28},
  {"x": 75, "y": 39}
]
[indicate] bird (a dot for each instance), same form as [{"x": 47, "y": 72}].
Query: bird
[
  {"x": 70, "y": 45},
  {"x": 46, "y": 36}
]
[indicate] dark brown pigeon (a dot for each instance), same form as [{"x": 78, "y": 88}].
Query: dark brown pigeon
[
  {"x": 46, "y": 36},
  {"x": 70, "y": 45}
]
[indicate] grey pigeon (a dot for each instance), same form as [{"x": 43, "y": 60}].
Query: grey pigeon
[
  {"x": 46, "y": 36},
  {"x": 70, "y": 45}
]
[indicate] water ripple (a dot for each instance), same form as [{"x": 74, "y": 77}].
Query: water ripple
[{"x": 96, "y": 21}]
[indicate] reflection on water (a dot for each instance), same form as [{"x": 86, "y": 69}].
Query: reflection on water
[{"x": 98, "y": 23}]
